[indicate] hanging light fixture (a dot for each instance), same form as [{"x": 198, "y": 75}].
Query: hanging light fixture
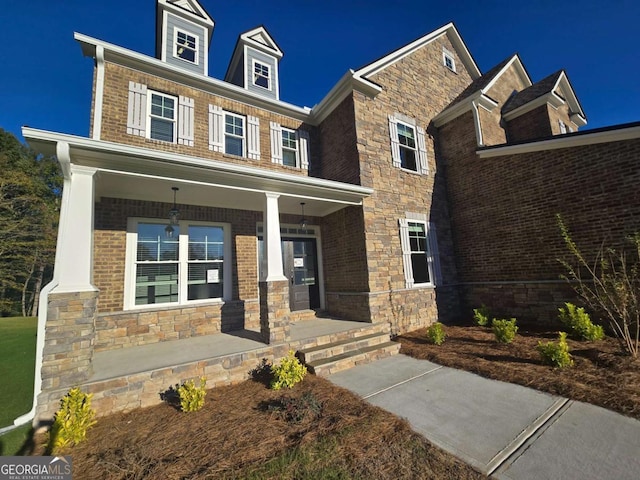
[
  {"x": 303, "y": 220},
  {"x": 174, "y": 215}
]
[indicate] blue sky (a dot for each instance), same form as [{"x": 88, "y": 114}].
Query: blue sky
[{"x": 45, "y": 82}]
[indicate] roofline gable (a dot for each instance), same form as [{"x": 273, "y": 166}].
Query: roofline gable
[
  {"x": 271, "y": 48},
  {"x": 522, "y": 72},
  {"x": 449, "y": 29},
  {"x": 201, "y": 16}
]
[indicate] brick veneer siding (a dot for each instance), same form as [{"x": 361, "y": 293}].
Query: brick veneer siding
[
  {"x": 503, "y": 215},
  {"x": 114, "y": 119},
  {"x": 529, "y": 126}
]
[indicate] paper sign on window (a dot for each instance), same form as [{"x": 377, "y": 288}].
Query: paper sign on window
[
  {"x": 213, "y": 276},
  {"x": 298, "y": 262}
]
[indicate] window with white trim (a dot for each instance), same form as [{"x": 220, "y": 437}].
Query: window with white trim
[
  {"x": 448, "y": 60},
  {"x": 419, "y": 253},
  {"x": 188, "y": 266},
  {"x": 408, "y": 144},
  {"x": 234, "y": 134},
  {"x": 261, "y": 75},
  {"x": 162, "y": 116},
  {"x": 185, "y": 46},
  {"x": 563, "y": 127},
  {"x": 289, "y": 147}
]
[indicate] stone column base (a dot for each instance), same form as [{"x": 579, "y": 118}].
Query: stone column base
[{"x": 274, "y": 312}]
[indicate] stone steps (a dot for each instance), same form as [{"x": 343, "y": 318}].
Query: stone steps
[{"x": 372, "y": 344}]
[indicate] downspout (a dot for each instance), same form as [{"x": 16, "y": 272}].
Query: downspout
[
  {"x": 476, "y": 121},
  {"x": 64, "y": 158},
  {"x": 99, "y": 97}
]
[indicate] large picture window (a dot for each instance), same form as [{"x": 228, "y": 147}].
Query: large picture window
[{"x": 191, "y": 265}]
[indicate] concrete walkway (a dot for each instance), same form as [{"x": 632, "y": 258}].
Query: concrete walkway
[{"x": 504, "y": 430}]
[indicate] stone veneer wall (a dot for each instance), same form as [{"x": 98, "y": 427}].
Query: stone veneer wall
[{"x": 68, "y": 346}]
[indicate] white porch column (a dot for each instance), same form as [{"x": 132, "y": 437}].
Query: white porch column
[
  {"x": 75, "y": 239},
  {"x": 273, "y": 250}
]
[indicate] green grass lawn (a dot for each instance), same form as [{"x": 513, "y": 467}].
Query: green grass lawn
[{"x": 17, "y": 364}]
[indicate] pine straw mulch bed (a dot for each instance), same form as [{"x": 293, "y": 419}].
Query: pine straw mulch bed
[
  {"x": 602, "y": 374},
  {"x": 236, "y": 435}
]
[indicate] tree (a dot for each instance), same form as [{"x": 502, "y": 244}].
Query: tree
[{"x": 30, "y": 186}]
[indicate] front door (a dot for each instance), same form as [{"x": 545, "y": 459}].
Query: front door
[{"x": 300, "y": 260}]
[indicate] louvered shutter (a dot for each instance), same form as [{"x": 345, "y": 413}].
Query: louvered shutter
[
  {"x": 395, "y": 142},
  {"x": 433, "y": 257},
  {"x": 137, "y": 109},
  {"x": 422, "y": 151},
  {"x": 216, "y": 129},
  {"x": 303, "y": 148},
  {"x": 185, "y": 121},
  {"x": 253, "y": 137},
  {"x": 406, "y": 252},
  {"x": 276, "y": 143}
]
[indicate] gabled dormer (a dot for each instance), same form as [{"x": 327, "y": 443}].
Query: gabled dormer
[
  {"x": 254, "y": 64},
  {"x": 183, "y": 34}
]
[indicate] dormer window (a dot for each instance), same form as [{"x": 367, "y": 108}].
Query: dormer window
[
  {"x": 448, "y": 60},
  {"x": 261, "y": 75},
  {"x": 186, "y": 46}
]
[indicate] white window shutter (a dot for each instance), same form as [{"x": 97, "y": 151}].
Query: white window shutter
[
  {"x": 433, "y": 257},
  {"x": 185, "y": 121},
  {"x": 406, "y": 252},
  {"x": 253, "y": 137},
  {"x": 276, "y": 143},
  {"x": 137, "y": 109},
  {"x": 216, "y": 129},
  {"x": 422, "y": 151},
  {"x": 395, "y": 142},
  {"x": 303, "y": 148}
]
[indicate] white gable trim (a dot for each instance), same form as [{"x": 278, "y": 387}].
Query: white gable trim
[
  {"x": 260, "y": 39},
  {"x": 524, "y": 76},
  {"x": 190, "y": 9},
  {"x": 449, "y": 29}
]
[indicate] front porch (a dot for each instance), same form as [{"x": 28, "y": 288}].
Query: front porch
[{"x": 134, "y": 377}]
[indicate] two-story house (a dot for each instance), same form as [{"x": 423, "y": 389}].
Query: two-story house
[{"x": 200, "y": 206}]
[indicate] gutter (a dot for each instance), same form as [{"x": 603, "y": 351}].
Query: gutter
[{"x": 64, "y": 158}]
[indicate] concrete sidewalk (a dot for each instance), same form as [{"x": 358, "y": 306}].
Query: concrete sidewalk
[{"x": 504, "y": 430}]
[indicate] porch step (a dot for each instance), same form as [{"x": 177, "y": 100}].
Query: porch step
[{"x": 341, "y": 355}]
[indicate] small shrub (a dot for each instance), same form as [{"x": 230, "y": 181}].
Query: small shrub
[
  {"x": 556, "y": 354},
  {"x": 504, "y": 330},
  {"x": 580, "y": 323},
  {"x": 295, "y": 410},
  {"x": 288, "y": 372},
  {"x": 191, "y": 396},
  {"x": 72, "y": 421},
  {"x": 436, "y": 334},
  {"x": 481, "y": 316}
]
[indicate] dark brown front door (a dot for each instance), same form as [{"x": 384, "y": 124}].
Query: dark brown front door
[{"x": 301, "y": 267}]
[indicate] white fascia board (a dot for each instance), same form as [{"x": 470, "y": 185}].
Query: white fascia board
[
  {"x": 408, "y": 49},
  {"x": 103, "y": 155},
  {"x": 202, "y": 19},
  {"x": 515, "y": 60},
  {"x": 564, "y": 141},
  {"x": 572, "y": 100},
  {"x": 349, "y": 82},
  {"x": 153, "y": 66},
  {"x": 548, "y": 98},
  {"x": 478, "y": 99}
]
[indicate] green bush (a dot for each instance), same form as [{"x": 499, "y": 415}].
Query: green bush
[
  {"x": 481, "y": 316},
  {"x": 288, "y": 372},
  {"x": 580, "y": 323},
  {"x": 72, "y": 421},
  {"x": 504, "y": 330},
  {"x": 191, "y": 396},
  {"x": 556, "y": 354},
  {"x": 436, "y": 334}
]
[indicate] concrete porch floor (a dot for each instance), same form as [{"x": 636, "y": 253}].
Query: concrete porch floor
[{"x": 128, "y": 361}]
